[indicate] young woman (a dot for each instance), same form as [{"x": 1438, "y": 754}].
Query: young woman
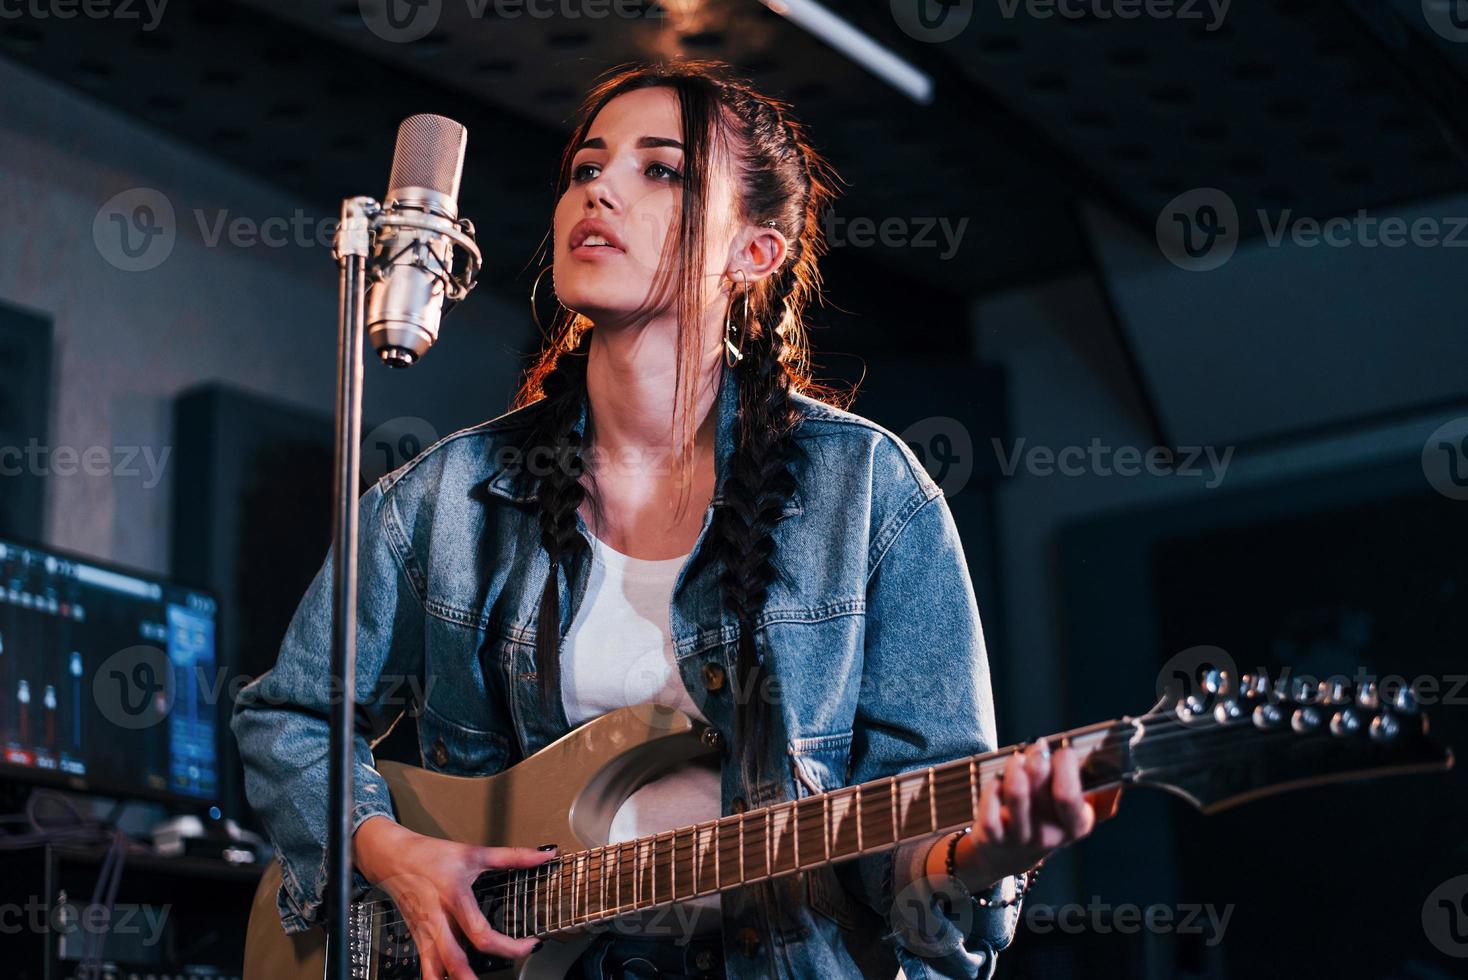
[{"x": 671, "y": 514}]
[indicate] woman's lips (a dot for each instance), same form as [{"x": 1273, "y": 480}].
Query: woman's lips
[{"x": 595, "y": 251}]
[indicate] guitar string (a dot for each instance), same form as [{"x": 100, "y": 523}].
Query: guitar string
[
  {"x": 1159, "y": 727},
  {"x": 986, "y": 767},
  {"x": 525, "y": 888}
]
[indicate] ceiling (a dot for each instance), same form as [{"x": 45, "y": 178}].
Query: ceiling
[{"x": 1290, "y": 103}]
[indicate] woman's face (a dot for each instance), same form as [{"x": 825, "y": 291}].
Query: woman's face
[{"x": 626, "y": 190}]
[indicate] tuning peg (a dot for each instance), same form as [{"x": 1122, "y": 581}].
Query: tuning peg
[
  {"x": 1191, "y": 708},
  {"x": 1366, "y": 697},
  {"x": 1404, "y": 701},
  {"x": 1384, "y": 727},
  {"x": 1345, "y": 722},
  {"x": 1216, "y": 681},
  {"x": 1334, "y": 691},
  {"x": 1305, "y": 719},
  {"x": 1268, "y": 715},
  {"x": 1226, "y": 711},
  {"x": 1296, "y": 689},
  {"x": 1254, "y": 686}
]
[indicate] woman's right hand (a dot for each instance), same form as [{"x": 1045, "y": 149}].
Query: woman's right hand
[{"x": 430, "y": 881}]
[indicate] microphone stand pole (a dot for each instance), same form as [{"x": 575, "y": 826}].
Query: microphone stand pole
[{"x": 353, "y": 240}]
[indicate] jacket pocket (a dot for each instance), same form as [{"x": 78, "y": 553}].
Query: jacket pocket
[
  {"x": 819, "y": 764},
  {"x": 457, "y": 750}
]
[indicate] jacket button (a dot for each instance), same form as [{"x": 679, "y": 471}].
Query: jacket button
[
  {"x": 748, "y": 940},
  {"x": 712, "y": 737},
  {"x": 713, "y": 676},
  {"x": 738, "y": 804},
  {"x": 440, "y": 752}
]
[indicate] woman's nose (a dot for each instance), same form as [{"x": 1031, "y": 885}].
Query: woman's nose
[{"x": 598, "y": 191}]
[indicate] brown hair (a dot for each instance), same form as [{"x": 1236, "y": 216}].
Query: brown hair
[{"x": 782, "y": 182}]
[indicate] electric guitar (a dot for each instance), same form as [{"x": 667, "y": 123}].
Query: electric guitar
[{"x": 1233, "y": 741}]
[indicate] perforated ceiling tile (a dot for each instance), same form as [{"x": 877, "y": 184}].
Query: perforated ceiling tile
[{"x": 1284, "y": 104}]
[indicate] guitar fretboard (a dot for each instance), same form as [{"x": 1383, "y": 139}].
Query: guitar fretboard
[{"x": 599, "y": 883}]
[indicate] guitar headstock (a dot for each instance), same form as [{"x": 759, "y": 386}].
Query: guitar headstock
[{"x": 1236, "y": 739}]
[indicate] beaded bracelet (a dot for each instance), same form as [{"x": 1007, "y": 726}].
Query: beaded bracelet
[{"x": 949, "y": 866}]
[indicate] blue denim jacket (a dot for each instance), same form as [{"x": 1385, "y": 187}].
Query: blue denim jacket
[{"x": 874, "y": 640}]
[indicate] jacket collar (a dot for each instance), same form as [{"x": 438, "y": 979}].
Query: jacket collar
[{"x": 502, "y": 483}]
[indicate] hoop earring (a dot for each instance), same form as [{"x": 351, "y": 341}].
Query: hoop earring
[
  {"x": 733, "y": 355},
  {"x": 534, "y": 285}
]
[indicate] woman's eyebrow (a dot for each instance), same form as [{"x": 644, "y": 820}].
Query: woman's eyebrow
[{"x": 646, "y": 142}]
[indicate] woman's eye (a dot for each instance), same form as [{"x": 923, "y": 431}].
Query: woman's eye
[{"x": 657, "y": 171}]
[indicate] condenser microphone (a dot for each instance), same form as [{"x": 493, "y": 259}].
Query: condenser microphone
[{"x": 412, "y": 252}]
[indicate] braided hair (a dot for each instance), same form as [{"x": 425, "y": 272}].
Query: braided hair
[{"x": 781, "y": 182}]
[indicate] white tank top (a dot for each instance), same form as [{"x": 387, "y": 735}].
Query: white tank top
[{"x": 619, "y": 652}]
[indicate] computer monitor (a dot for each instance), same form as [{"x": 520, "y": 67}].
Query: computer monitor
[{"x": 108, "y": 680}]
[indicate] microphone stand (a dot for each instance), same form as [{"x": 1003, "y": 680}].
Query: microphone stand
[
  {"x": 353, "y": 241},
  {"x": 362, "y": 218}
]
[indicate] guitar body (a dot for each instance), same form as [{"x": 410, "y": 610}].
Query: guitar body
[
  {"x": 566, "y": 793},
  {"x": 1231, "y": 741}
]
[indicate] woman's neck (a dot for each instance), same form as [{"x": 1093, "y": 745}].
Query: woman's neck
[{"x": 630, "y": 386}]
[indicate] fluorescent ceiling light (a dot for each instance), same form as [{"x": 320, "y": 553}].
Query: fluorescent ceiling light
[{"x": 859, "y": 47}]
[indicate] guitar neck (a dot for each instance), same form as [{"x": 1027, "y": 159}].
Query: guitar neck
[{"x": 599, "y": 883}]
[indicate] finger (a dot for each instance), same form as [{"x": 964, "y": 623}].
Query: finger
[
  {"x": 990, "y": 820},
  {"x": 1072, "y": 810},
  {"x": 477, "y": 930},
  {"x": 1106, "y": 802},
  {"x": 449, "y": 952},
  {"x": 514, "y": 857},
  {"x": 1037, "y": 767},
  {"x": 1037, "y": 761},
  {"x": 1015, "y": 793},
  {"x": 428, "y": 965}
]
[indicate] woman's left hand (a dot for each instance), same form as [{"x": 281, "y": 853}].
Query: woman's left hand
[{"x": 1034, "y": 808}]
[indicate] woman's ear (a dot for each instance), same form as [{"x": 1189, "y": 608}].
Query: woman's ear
[{"x": 759, "y": 251}]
